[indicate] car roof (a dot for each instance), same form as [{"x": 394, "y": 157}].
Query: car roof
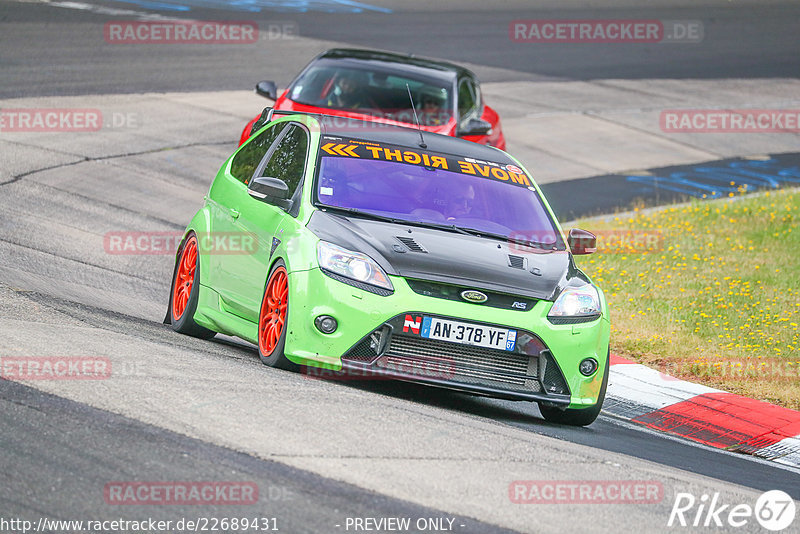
[
  {"x": 408, "y": 137},
  {"x": 390, "y": 61}
]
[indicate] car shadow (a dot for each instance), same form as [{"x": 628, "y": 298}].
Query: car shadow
[{"x": 518, "y": 413}]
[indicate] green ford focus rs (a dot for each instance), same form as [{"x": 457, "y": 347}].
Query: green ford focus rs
[{"x": 375, "y": 251}]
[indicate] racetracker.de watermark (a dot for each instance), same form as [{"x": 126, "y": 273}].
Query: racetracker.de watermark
[
  {"x": 50, "y": 120},
  {"x": 167, "y": 242},
  {"x": 439, "y": 369},
  {"x": 586, "y": 492},
  {"x": 181, "y": 493},
  {"x": 605, "y": 31},
  {"x": 378, "y": 120},
  {"x": 615, "y": 241},
  {"x": 624, "y": 241},
  {"x": 55, "y": 367},
  {"x": 772, "y": 371},
  {"x": 730, "y": 121},
  {"x": 129, "y": 32},
  {"x": 45, "y": 120}
]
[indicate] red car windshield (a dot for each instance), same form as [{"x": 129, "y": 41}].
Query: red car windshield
[
  {"x": 373, "y": 93},
  {"x": 418, "y": 186}
]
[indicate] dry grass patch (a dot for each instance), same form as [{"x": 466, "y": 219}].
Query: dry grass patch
[{"x": 708, "y": 291}]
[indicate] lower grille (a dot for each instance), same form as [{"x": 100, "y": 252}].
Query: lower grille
[
  {"x": 553, "y": 379},
  {"x": 458, "y": 354},
  {"x": 362, "y": 352},
  {"x": 461, "y": 363},
  {"x": 529, "y": 368}
]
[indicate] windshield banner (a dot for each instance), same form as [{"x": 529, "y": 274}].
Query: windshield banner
[{"x": 356, "y": 148}]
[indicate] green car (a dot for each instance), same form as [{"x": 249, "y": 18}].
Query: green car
[{"x": 375, "y": 251}]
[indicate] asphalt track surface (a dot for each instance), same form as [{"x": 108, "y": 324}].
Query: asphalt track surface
[
  {"x": 86, "y": 448},
  {"x": 54, "y": 51},
  {"x": 169, "y": 419},
  {"x": 610, "y": 193}
]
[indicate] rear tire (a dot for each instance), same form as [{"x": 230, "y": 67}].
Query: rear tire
[
  {"x": 185, "y": 290},
  {"x": 272, "y": 320},
  {"x": 578, "y": 416}
]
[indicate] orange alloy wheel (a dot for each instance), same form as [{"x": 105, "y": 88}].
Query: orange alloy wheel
[
  {"x": 184, "y": 278},
  {"x": 273, "y": 311}
]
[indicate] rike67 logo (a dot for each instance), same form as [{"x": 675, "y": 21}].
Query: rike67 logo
[{"x": 774, "y": 510}]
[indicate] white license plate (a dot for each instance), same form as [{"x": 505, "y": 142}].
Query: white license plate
[{"x": 468, "y": 334}]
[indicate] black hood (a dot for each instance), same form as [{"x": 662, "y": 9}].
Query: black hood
[{"x": 452, "y": 258}]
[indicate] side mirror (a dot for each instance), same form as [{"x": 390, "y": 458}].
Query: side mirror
[
  {"x": 581, "y": 241},
  {"x": 475, "y": 126},
  {"x": 267, "y": 89},
  {"x": 270, "y": 190}
]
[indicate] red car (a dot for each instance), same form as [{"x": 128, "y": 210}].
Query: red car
[{"x": 359, "y": 83}]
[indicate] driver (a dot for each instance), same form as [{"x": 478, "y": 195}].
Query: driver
[
  {"x": 459, "y": 202},
  {"x": 349, "y": 92},
  {"x": 432, "y": 109}
]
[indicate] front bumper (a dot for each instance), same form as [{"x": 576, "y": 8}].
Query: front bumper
[
  {"x": 525, "y": 372},
  {"x": 543, "y": 365}
]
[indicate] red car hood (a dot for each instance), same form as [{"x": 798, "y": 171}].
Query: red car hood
[
  {"x": 289, "y": 105},
  {"x": 284, "y": 103}
]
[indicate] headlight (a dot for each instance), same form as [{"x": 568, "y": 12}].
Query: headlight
[
  {"x": 353, "y": 265},
  {"x": 577, "y": 302}
]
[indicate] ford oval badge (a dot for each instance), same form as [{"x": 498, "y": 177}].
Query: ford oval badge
[{"x": 471, "y": 295}]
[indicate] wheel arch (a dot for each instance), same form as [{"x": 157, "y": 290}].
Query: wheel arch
[
  {"x": 200, "y": 223},
  {"x": 271, "y": 265}
]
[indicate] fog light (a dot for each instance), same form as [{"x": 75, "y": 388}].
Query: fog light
[
  {"x": 326, "y": 324},
  {"x": 588, "y": 366}
]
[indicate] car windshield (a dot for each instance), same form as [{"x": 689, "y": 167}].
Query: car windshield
[
  {"x": 435, "y": 189},
  {"x": 373, "y": 92}
]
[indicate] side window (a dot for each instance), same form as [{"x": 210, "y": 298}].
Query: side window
[
  {"x": 246, "y": 161},
  {"x": 288, "y": 161},
  {"x": 467, "y": 101}
]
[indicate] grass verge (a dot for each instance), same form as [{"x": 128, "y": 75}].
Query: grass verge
[{"x": 708, "y": 291}]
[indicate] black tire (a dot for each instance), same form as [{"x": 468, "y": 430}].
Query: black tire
[
  {"x": 185, "y": 324},
  {"x": 276, "y": 356},
  {"x": 578, "y": 416}
]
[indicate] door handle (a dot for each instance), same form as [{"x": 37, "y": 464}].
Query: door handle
[{"x": 234, "y": 213}]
